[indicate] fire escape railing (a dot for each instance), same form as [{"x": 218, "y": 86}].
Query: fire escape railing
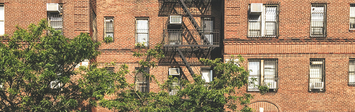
[
  {"x": 173, "y": 37},
  {"x": 183, "y": 36}
]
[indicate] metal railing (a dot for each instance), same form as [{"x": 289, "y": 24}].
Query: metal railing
[
  {"x": 197, "y": 7},
  {"x": 190, "y": 38}
]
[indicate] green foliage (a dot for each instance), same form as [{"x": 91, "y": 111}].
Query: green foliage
[
  {"x": 108, "y": 39},
  {"x": 31, "y": 59}
]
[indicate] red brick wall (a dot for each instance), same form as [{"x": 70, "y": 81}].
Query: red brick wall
[
  {"x": 293, "y": 49},
  {"x": 24, "y": 12}
]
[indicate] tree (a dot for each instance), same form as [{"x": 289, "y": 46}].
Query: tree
[{"x": 31, "y": 60}]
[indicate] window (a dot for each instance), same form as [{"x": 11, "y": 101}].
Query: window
[
  {"x": 142, "y": 31},
  {"x": 264, "y": 24},
  {"x": 316, "y": 74},
  {"x": 56, "y": 21},
  {"x": 175, "y": 73},
  {"x": 174, "y": 37},
  {"x": 110, "y": 69},
  {"x": 142, "y": 81},
  {"x": 208, "y": 30},
  {"x": 109, "y": 27},
  {"x": 207, "y": 74},
  {"x": 352, "y": 72},
  {"x": 318, "y": 20},
  {"x": 352, "y": 17},
  {"x": 265, "y": 73},
  {"x": 2, "y": 20}
]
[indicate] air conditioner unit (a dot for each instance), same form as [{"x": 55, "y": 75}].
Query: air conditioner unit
[
  {"x": 175, "y": 19},
  {"x": 54, "y": 7},
  {"x": 271, "y": 85},
  {"x": 256, "y": 8},
  {"x": 174, "y": 71},
  {"x": 317, "y": 62},
  {"x": 316, "y": 85}
]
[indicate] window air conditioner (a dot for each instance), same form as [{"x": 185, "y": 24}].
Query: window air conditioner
[
  {"x": 54, "y": 7},
  {"x": 175, "y": 19},
  {"x": 316, "y": 85},
  {"x": 317, "y": 62},
  {"x": 174, "y": 71},
  {"x": 256, "y": 8},
  {"x": 271, "y": 85}
]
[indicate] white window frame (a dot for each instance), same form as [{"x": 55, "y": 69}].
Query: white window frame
[
  {"x": 352, "y": 72},
  {"x": 2, "y": 20},
  {"x": 262, "y": 20},
  {"x": 262, "y": 75},
  {"x": 106, "y": 21},
  {"x": 141, "y": 31},
  {"x": 352, "y": 17},
  {"x": 313, "y": 20}
]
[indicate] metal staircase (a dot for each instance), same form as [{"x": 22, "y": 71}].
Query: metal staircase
[{"x": 171, "y": 7}]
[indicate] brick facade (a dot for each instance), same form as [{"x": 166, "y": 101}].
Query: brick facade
[
  {"x": 293, "y": 49},
  {"x": 24, "y": 12}
]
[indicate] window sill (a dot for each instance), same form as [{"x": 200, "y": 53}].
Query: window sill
[{"x": 352, "y": 30}]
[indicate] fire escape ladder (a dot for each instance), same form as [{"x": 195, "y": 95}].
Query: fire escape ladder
[
  {"x": 186, "y": 63},
  {"x": 200, "y": 4},
  {"x": 188, "y": 35},
  {"x": 193, "y": 21}
]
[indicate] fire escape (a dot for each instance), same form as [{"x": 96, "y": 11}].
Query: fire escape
[{"x": 186, "y": 36}]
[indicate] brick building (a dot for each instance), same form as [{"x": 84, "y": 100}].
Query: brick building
[
  {"x": 301, "y": 49},
  {"x": 69, "y": 16}
]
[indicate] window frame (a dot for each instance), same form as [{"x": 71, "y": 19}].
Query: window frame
[
  {"x": 206, "y": 32},
  {"x": 173, "y": 90},
  {"x": 324, "y": 21},
  {"x": 137, "y": 33},
  {"x": 113, "y": 26},
  {"x": 50, "y": 15},
  {"x": 323, "y": 75},
  {"x": 261, "y": 75},
  {"x": 146, "y": 82},
  {"x": 262, "y": 22}
]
